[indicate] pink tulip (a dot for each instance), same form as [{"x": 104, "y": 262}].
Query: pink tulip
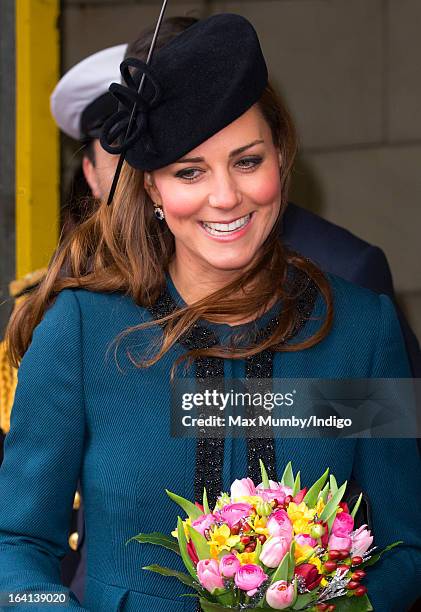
[
  {"x": 275, "y": 491},
  {"x": 242, "y": 488},
  {"x": 208, "y": 574},
  {"x": 298, "y": 498},
  {"x": 280, "y": 525},
  {"x": 232, "y": 513},
  {"x": 280, "y": 595},
  {"x": 229, "y": 565},
  {"x": 343, "y": 525},
  {"x": 305, "y": 540},
  {"x": 361, "y": 541},
  {"x": 249, "y": 577},
  {"x": 203, "y": 522},
  {"x": 338, "y": 543},
  {"x": 274, "y": 550}
]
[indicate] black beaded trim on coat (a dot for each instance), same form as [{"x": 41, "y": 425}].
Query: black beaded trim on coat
[{"x": 210, "y": 451}]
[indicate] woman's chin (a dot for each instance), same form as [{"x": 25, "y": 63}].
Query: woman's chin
[{"x": 229, "y": 265}]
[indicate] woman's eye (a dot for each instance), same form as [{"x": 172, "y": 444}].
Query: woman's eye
[
  {"x": 248, "y": 163},
  {"x": 188, "y": 173}
]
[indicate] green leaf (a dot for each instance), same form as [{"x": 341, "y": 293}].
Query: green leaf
[
  {"x": 331, "y": 520},
  {"x": 258, "y": 550},
  {"x": 209, "y": 606},
  {"x": 332, "y": 505},
  {"x": 304, "y": 600},
  {"x": 282, "y": 569},
  {"x": 288, "y": 476},
  {"x": 291, "y": 562},
  {"x": 183, "y": 549},
  {"x": 200, "y": 543},
  {"x": 378, "y": 555},
  {"x": 166, "y": 571},
  {"x": 190, "y": 509},
  {"x": 357, "y": 505},
  {"x": 352, "y": 604},
  {"x": 205, "y": 502},
  {"x": 159, "y": 539},
  {"x": 295, "y": 594},
  {"x": 333, "y": 484},
  {"x": 324, "y": 493},
  {"x": 313, "y": 493},
  {"x": 297, "y": 484},
  {"x": 265, "y": 478}
]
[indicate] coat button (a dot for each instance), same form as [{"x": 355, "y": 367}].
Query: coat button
[
  {"x": 73, "y": 540},
  {"x": 76, "y": 501}
]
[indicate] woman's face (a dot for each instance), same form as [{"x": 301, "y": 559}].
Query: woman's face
[{"x": 222, "y": 198}]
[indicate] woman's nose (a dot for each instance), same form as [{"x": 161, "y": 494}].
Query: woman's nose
[{"x": 225, "y": 192}]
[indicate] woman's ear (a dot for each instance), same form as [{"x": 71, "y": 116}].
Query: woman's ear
[
  {"x": 151, "y": 189},
  {"x": 91, "y": 177}
]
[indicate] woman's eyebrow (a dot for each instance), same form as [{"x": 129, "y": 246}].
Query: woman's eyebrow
[{"x": 196, "y": 160}]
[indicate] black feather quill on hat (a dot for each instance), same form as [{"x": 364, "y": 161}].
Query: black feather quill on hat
[{"x": 194, "y": 86}]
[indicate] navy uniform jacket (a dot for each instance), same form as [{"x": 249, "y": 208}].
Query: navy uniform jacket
[{"x": 77, "y": 416}]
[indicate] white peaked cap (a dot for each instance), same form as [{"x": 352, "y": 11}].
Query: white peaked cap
[{"x": 82, "y": 84}]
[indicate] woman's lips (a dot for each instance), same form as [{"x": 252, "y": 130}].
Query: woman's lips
[{"x": 227, "y": 236}]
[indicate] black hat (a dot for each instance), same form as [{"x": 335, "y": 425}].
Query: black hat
[{"x": 197, "y": 84}]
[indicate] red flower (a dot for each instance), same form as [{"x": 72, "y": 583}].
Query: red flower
[
  {"x": 199, "y": 506},
  {"x": 297, "y": 499},
  {"x": 310, "y": 574},
  {"x": 325, "y": 536},
  {"x": 344, "y": 507},
  {"x": 192, "y": 552}
]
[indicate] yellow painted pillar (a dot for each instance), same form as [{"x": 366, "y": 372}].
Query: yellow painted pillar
[{"x": 37, "y": 139}]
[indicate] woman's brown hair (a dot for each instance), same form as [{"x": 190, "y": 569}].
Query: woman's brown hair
[{"x": 124, "y": 248}]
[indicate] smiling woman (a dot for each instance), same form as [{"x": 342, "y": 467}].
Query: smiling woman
[
  {"x": 207, "y": 281},
  {"x": 221, "y": 210}
]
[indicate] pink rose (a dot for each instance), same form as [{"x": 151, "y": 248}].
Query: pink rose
[
  {"x": 305, "y": 540},
  {"x": 203, "y": 522},
  {"x": 275, "y": 491},
  {"x": 208, "y": 574},
  {"x": 229, "y": 565},
  {"x": 361, "y": 541},
  {"x": 274, "y": 550},
  {"x": 242, "y": 488},
  {"x": 280, "y": 595},
  {"x": 343, "y": 524},
  {"x": 338, "y": 543},
  {"x": 232, "y": 513},
  {"x": 249, "y": 577},
  {"x": 280, "y": 525}
]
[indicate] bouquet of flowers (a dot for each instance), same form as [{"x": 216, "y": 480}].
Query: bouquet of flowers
[{"x": 274, "y": 546}]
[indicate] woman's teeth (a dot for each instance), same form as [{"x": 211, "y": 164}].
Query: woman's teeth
[{"x": 226, "y": 228}]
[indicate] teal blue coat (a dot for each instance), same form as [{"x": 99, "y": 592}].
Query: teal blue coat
[{"x": 76, "y": 415}]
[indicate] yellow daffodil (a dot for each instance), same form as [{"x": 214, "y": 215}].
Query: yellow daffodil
[
  {"x": 300, "y": 515},
  {"x": 316, "y": 561},
  {"x": 258, "y": 524},
  {"x": 247, "y": 558},
  {"x": 221, "y": 539},
  {"x": 253, "y": 500},
  {"x": 320, "y": 506},
  {"x": 302, "y": 552},
  {"x": 186, "y": 523}
]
